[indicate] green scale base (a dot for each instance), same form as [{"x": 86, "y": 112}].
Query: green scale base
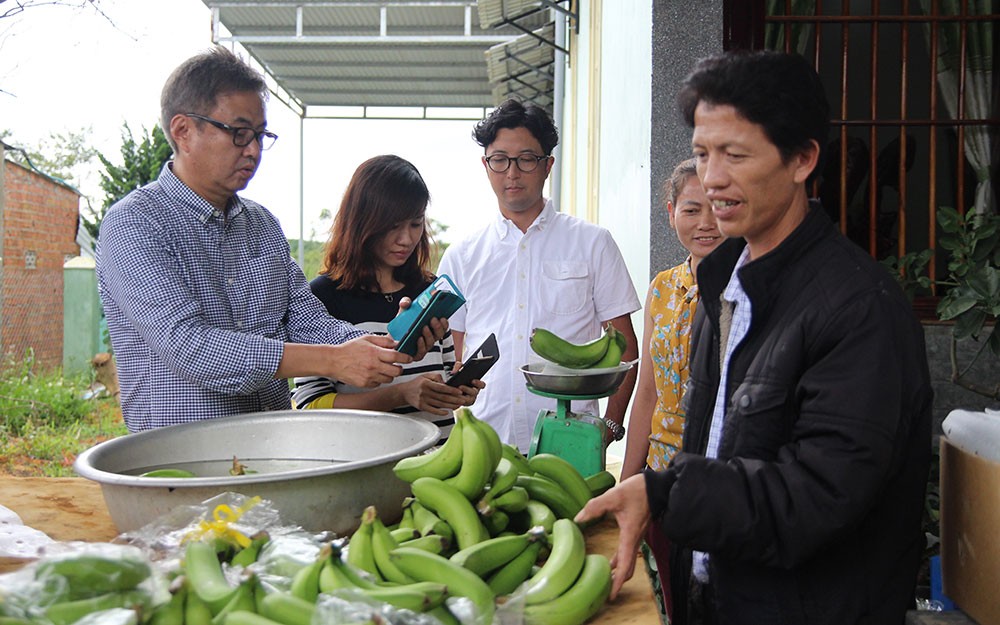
[{"x": 577, "y": 438}]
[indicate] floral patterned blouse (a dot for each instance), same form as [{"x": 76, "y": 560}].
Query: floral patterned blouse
[{"x": 672, "y": 306}]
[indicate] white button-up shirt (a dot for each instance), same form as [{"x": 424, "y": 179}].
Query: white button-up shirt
[{"x": 564, "y": 274}]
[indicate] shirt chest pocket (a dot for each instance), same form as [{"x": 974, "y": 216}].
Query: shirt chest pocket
[
  {"x": 565, "y": 287},
  {"x": 262, "y": 290}
]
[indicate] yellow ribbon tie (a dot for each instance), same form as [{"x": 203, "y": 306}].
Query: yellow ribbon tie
[{"x": 223, "y": 517}]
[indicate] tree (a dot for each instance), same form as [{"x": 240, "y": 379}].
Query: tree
[
  {"x": 66, "y": 156},
  {"x": 142, "y": 162}
]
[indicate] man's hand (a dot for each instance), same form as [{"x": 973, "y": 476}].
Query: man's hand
[
  {"x": 367, "y": 361},
  {"x": 628, "y": 503}
]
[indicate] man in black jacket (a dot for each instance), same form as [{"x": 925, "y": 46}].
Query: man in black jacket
[{"x": 798, "y": 494}]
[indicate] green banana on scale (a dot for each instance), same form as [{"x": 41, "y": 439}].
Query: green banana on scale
[{"x": 603, "y": 352}]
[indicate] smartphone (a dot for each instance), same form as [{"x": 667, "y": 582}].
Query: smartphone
[{"x": 476, "y": 367}]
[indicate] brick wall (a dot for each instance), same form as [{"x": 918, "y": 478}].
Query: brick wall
[{"x": 39, "y": 234}]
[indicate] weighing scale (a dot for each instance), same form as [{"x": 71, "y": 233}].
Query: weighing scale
[{"x": 576, "y": 437}]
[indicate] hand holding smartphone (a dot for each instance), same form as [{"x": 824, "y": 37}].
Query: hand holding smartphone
[{"x": 478, "y": 364}]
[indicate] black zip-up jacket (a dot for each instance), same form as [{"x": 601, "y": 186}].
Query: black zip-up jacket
[{"x": 812, "y": 512}]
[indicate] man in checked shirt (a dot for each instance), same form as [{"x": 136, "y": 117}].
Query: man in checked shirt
[{"x": 207, "y": 311}]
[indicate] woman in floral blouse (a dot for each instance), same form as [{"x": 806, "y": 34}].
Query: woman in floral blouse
[{"x": 656, "y": 422}]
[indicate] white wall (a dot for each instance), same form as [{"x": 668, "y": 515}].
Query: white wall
[{"x": 605, "y": 131}]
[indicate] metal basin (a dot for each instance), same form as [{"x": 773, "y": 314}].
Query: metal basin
[
  {"x": 558, "y": 380},
  {"x": 320, "y": 468}
]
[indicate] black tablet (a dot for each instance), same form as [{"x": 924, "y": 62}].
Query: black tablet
[{"x": 476, "y": 367}]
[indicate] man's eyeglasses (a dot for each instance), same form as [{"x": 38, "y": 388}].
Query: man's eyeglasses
[
  {"x": 243, "y": 135},
  {"x": 527, "y": 163}
]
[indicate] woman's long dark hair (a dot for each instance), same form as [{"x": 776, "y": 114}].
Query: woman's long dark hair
[{"x": 384, "y": 191}]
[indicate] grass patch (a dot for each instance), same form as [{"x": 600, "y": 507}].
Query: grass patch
[{"x": 47, "y": 423}]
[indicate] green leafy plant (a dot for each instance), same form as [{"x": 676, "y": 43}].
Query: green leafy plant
[{"x": 971, "y": 298}]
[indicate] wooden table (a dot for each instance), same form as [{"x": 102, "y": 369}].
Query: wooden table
[{"x": 73, "y": 509}]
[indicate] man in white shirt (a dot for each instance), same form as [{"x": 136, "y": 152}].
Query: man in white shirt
[{"x": 534, "y": 267}]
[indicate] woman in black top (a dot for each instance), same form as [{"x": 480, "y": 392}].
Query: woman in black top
[{"x": 377, "y": 254}]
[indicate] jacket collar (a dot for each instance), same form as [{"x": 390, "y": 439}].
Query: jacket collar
[{"x": 762, "y": 276}]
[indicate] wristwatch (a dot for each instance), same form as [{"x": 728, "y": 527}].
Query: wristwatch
[{"x": 615, "y": 428}]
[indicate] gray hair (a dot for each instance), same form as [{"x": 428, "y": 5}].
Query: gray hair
[{"x": 197, "y": 83}]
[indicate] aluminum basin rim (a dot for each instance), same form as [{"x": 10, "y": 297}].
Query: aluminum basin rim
[{"x": 84, "y": 464}]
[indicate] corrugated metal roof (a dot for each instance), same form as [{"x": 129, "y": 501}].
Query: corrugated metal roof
[{"x": 408, "y": 53}]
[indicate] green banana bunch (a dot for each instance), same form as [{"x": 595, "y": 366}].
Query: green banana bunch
[
  {"x": 563, "y": 473},
  {"x": 477, "y": 460},
  {"x": 551, "y": 494},
  {"x": 243, "y": 599},
  {"x": 401, "y": 534},
  {"x": 581, "y": 601},
  {"x": 382, "y": 544},
  {"x": 79, "y": 576},
  {"x": 453, "y": 507},
  {"x": 511, "y": 575},
  {"x": 514, "y": 455},
  {"x": 616, "y": 349},
  {"x": 248, "y": 555},
  {"x": 443, "y": 462},
  {"x": 68, "y": 612},
  {"x": 600, "y": 482},
  {"x": 502, "y": 480},
  {"x": 427, "y": 522},
  {"x": 535, "y": 514},
  {"x": 514, "y": 500},
  {"x": 359, "y": 548},
  {"x": 566, "y": 354},
  {"x": 494, "y": 445},
  {"x": 305, "y": 582},
  {"x": 489, "y": 555},
  {"x": 416, "y": 596},
  {"x": 205, "y": 578},
  {"x": 562, "y": 567},
  {"x": 459, "y": 580},
  {"x": 430, "y": 542},
  {"x": 496, "y": 523},
  {"x": 287, "y": 609}
]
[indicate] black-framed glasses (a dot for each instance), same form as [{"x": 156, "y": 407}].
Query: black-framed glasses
[
  {"x": 242, "y": 135},
  {"x": 527, "y": 163}
]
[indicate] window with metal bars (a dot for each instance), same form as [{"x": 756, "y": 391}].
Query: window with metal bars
[{"x": 915, "y": 102}]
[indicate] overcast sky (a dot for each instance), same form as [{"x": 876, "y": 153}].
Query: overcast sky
[{"x": 66, "y": 69}]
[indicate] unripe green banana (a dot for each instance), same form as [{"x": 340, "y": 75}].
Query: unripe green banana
[
  {"x": 243, "y": 617},
  {"x": 69, "y": 612},
  {"x": 417, "y": 596},
  {"x": 600, "y": 482},
  {"x": 494, "y": 445},
  {"x": 248, "y": 555},
  {"x": 339, "y": 574},
  {"x": 359, "y": 548},
  {"x": 496, "y": 523},
  {"x": 564, "y": 353},
  {"x": 540, "y": 515},
  {"x": 489, "y": 555},
  {"x": 514, "y": 500},
  {"x": 305, "y": 582},
  {"x": 171, "y": 612},
  {"x": 562, "y": 567},
  {"x": 430, "y": 542},
  {"x": 401, "y": 534},
  {"x": 616, "y": 349},
  {"x": 502, "y": 480},
  {"x": 442, "y": 614},
  {"x": 514, "y": 454},
  {"x": 167, "y": 473},
  {"x": 407, "y": 519},
  {"x": 204, "y": 576},
  {"x": 442, "y": 462},
  {"x": 428, "y": 522},
  {"x": 88, "y": 575},
  {"x": 287, "y": 609},
  {"x": 242, "y": 599},
  {"x": 382, "y": 544},
  {"x": 551, "y": 494},
  {"x": 477, "y": 467},
  {"x": 453, "y": 507},
  {"x": 581, "y": 601},
  {"x": 459, "y": 580},
  {"x": 562, "y": 473},
  {"x": 507, "y": 578},
  {"x": 196, "y": 611}
]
